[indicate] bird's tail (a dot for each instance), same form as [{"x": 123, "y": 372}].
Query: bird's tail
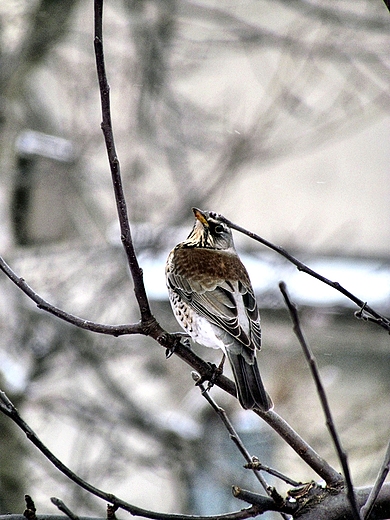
[{"x": 250, "y": 388}]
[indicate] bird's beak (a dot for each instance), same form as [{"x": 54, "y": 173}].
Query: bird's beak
[{"x": 200, "y": 215}]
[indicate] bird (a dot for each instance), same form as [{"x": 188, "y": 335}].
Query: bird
[{"x": 213, "y": 300}]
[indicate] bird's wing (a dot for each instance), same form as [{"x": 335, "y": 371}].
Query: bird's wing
[{"x": 229, "y": 305}]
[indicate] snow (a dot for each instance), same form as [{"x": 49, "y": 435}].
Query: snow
[{"x": 369, "y": 280}]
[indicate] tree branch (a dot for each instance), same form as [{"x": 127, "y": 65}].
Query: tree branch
[
  {"x": 374, "y": 493},
  {"x": 365, "y": 312},
  {"x": 336, "y": 507},
  {"x": 172, "y": 343},
  {"x": 112, "y": 330},
  {"x": 7, "y": 407},
  {"x": 323, "y": 399},
  {"x": 271, "y": 491},
  {"x": 136, "y": 271}
]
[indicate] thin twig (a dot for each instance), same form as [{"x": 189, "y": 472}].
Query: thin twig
[
  {"x": 365, "y": 311},
  {"x": 252, "y": 462},
  {"x": 112, "y": 330},
  {"x": 256, "y": 465},
  {"x": 265, "y": 503},
  {"x": 136, "y": 271},
  {"x": 237, "y": 440},
  {"x": 374, "y": 493},
  {"x": 64, "y": 508},
  {"x": 323, "y": 399},
  {"x": 232, "y": 432}
]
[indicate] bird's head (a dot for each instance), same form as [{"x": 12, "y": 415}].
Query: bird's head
[{"x": 210, "y": 232}]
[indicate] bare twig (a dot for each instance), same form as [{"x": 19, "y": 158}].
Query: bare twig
[
  {"x": 265, "y": 503},
  {"x": 64, "y": 508},
  {"x": 323, "y": 399},
  {"x": 30, "y": 511},
  {"x": 112, "y": 330},
  {"x": 233, "y": 434},
  {"x": 365, "y": 311},
  {"x": 374, "y": 493},
  {"x": 238, "y": 442},
  {"x": 256, "y": 465},
  {"x": 252, "y": 462},
  {"x": 136, "y": 271}
]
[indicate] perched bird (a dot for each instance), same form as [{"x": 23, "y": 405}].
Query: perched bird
[{"x": 213, "y": 300}]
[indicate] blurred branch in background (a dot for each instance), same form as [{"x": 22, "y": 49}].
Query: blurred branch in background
[{"x": 310, "y": 73}]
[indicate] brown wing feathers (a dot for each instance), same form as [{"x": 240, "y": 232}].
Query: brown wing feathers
[{"x": 211, "y": 294}]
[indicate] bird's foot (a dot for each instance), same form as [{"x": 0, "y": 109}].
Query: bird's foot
[
  {"x": 179, "y": 337},
  {"x": 216, "y": 371},
  {"x": 209, "y": 378}
]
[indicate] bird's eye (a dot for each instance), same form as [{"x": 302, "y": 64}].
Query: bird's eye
[{"x": 219, "y": 229}]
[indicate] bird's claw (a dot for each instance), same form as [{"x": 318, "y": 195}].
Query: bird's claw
[
  {"x": 179, "y": 337},
  {"x": 216, "y": 371}
]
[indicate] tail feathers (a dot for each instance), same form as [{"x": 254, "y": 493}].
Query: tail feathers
[{"x": 250, "y": 388}]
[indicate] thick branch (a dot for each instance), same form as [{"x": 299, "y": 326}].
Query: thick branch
[{"x": 335, "y": 507}]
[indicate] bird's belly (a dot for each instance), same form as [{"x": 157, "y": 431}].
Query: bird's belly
[
  {"x": 206, "y": 334},
  {"x": 198, "y": 327}
]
